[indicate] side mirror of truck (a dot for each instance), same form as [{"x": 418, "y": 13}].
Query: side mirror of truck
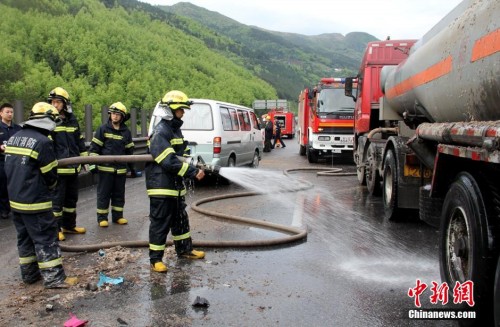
[{"x": 348, "y": 88}]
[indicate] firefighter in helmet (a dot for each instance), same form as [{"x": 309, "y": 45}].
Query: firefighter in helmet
[
  {"x": 31, "y": 165},
  {"x": 165, "y": 183},
  {"x": 68, "y": 142},
  {"x": 268, "y": 134},
  {"x": 112, "y": 138}
]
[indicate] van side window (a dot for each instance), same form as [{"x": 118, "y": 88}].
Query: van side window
[
  {"x": 199, "y": 117},
  {"x": 255, "y": 122},
  {"x": 244, "y": 120},
  {"x": 229, "y": 119}
]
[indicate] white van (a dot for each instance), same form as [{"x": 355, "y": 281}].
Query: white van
[{"x": 223, "y": 134}]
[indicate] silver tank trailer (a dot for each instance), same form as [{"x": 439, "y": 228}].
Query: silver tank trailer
[{"x": 441, "y": 78}]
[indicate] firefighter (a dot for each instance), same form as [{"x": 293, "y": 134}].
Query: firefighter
[
  {"x": 112, "y": 138},
  {"x": 30, "y": 165},
  {"x": 277, "y": 135},
  {"x": 68, "y": 142},
  {"x": 165, "y": 183},
  {"x": 268, "y": 134}
]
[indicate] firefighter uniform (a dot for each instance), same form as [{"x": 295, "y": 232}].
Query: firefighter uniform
[
  {"x": 68, "y": 143},
  {"x": 31, "y": 165},
  {"x": 166, "y": 188},
  {"x": 112, "y": 176}
]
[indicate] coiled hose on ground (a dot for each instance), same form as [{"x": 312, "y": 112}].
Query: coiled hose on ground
[{"x": 294, "y": 234}]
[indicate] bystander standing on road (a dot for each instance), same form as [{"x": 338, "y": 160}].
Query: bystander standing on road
[
  {"x": 7, "y": 129},
  {"x": 68, "y": 142},
  {"x": 31, "y": 167},
  {"x": 165, "y": 184},
  {"x": 112, "y": 138}
]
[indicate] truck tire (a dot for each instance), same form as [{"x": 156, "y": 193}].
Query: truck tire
[
  {"x": 302, "y": 150},
  {"x": 311, "y": 154},
  {"x": 360, "y": 165},
  {"x": 464, "y": 253},
  {"x": 371, "y": 171},
  {"x": 429, "y": 208},
  {"x": 390, "y": 189}
]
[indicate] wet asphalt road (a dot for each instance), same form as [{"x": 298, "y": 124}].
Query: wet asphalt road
[{"x": 354, "y": 269}]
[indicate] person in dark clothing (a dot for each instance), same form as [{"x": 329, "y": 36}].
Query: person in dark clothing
[
  {"x": 30, "y": 164},
  {"x": 268, "y": 134},
  {"x": 165, "y": 183},
  {"x": 277, "y": 135},
  {"x": 68, "y": 142},
  {"x": 112, "y": 138},
  {"x": 7, "y": 129}
]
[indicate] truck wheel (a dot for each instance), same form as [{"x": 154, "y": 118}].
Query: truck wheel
[
  {"x": 311, "y": 154},
  {"x": 371, "y": 171},
  {"x": 464, "y": 253},
  {"x": 429, "y": 208},
  {"x": 302, "y": 150},
  {"x": 360, "y": 165},
  {"x": 390, "y": 188}
]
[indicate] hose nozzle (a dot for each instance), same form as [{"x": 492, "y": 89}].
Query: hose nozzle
[{"x": 199, "y": 163}]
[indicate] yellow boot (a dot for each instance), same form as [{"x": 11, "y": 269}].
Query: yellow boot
[
  {"x": 103, "y": 223},
  {"x": 159, "y": 267},
  {"x": 61, "y": 236},
  {"x": 193, "y": 255},
  {"x": 121, "y": 221},
  {"x": 75, "y": 230}
]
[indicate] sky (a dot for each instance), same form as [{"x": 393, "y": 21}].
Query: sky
[{"x": 399, "y": 19}]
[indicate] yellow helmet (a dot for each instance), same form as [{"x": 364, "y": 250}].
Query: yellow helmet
[
  {"x": 59, "y": 93},
  {"x": 268, "y": 117},
  {"x": 176, "y": 100},
  {"x": 44, "y": 110},
  {"x": 119, "y": 108}
]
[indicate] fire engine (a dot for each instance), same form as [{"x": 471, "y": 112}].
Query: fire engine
[
  {"x": 326, "y": 120},
  {"x": 286, "y": 119}
]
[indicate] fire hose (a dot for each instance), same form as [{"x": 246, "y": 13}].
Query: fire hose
[{"x": 294, "y": 234}]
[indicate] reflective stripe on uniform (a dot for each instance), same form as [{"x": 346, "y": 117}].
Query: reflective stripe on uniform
[
  {"x": 117, "y": 208},
  {"x": 97, "y": 141},
  {"x": 131, "y": 144},
  {"x": 48, "y": 167},
  {"x": 121, "y": 171},
  {"x": 105, "y": 168},
  {"x": 102, "y": 211},
  {"x": 166, "y": 192},
  {"x": 113, "y": 136},
  {"x": 181, "y": 237},
  {"x": 164, "y": 154},
  {"x": 27, "y": 260},
  {"x": 50, "y": 264},
  {"x": 177, "y": 141},
  {"x": 31, "y": 206},
  {"x": 65, "y": 129},
  {"x": 183, "y": 169},
  {"x": 57, "y": 214},
  {"x": 69, "y": 170},
  {"x": 21, "y": 151},
  {"x": 155, "y": 247},
  {"x": 70, "y": 210},
  {"x": 84, "y": 154}
]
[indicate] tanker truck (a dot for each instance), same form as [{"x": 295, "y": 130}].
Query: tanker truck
[{"x": 433, "y": 143}]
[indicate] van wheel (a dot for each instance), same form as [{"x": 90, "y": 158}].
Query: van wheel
[
  {"x": 231, "y": 162},
  {"x": 255, "y": 160}
]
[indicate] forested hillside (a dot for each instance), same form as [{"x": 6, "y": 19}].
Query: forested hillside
[
  {"x": 288, "y": 61},
  {"x": 102, "y": 53}
]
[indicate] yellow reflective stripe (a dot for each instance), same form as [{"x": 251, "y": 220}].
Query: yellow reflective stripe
[
  {"x": 121, "y": 171},
  {"x": 117, "y": 208},
  {"x": 102, "y": 211},
  {"x": 21, "y": 151},
  {"x": 104, "y": 168},
  {"x": 166, "y": 192},
  {"x": 97, "y": 141},
  {"x": 31, "y": 206},
  {"x": 164, "y": 154},
  {"x": 93, "y": 154},
  {"x": 155, "y": 247},
  {"x": 181, "y": 237},
  {"x": 70, "y": 210},
  {"x": 26, "y": 260},
  {"x": 184, "y": 168},
  {"x": 50, "y": 264},
  {"x": 57, "y": 213},
  {"x": 131, "y": 144},
  {"x": 65, "y": 129},
  {"x": 84, "y": 154},
  {"x": 48, "y": 167},
  {"x": 69, "y": 170},
  {"x": 177, "y": 141},
  {"x": 113, "y": 136}
]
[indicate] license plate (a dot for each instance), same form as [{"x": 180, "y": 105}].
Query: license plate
[
  {"x": 336, "y": 151},
  {"x": 346, "y": 139}
]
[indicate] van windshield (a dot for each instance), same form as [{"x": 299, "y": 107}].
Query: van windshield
[{"x": 199, "y": 117}]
